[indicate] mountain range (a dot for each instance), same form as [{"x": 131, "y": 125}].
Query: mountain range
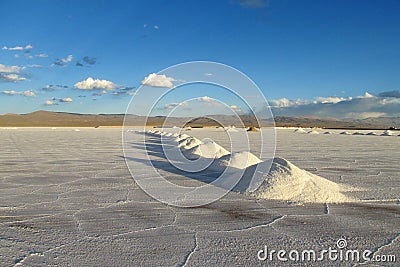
[{"x": 62, "y": 119}]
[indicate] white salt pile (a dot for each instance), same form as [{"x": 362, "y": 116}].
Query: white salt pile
[
  {"x": 231, "y": 130},
  {"x": 283, "y": 181},
  {"x": 238, "y": 160},
  {"x": 181, "y": 137},
  {"x": 328, "y": 133},
  {"x": 371, "y": 133},
  {"x": 358, "y": 133},
  {"x": 287, "y": 182},
  {"x": 313, "y": 132},
  {"x": 188, "y": 143},
  {"x": 388, "y": 133},
  {"x": 345, "y": 133},
  {"x": 300, "y": 130},
  {"x": 208, "y": 149},
  {"x": 77, "y": 130}
]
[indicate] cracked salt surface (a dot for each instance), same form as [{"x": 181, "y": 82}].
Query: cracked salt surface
[{"x": 72, "y": 202}]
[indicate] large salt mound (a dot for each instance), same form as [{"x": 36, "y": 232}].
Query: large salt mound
[
  {"x": 313, "y": 132},
  {"x": 300, "y": 130},
  {"x": 238, "y": 160},
  {"x": 231, "y": 129},
  {"x": 283, "y": 181},
  {"x": 181, "y": 137},
  {"x": 287, "y": 182},
  {"x": 345, "y": 133},
  {"x": 328, "y": 133},
  {"x": 188, "y": 143},
  {"x": 358, "y": 133},
  {"x": 206, "y": 150},
  {"x": 371, "y": 133}
]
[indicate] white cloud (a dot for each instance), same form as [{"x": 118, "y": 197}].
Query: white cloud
[
  {"x": 67, "y": 59},
  {"x": 24, "y": 93},
  {"x": 235, "y": 108},
  {"x": 366, "y": 95},
  {"x": 55, "y": 101},
  {"x": 90, "y": 84},
  {"x": 158, "y": 80},
  {"x": 205, "y": 99},
  {"x": 12, "y": 92},
  {"x": 388, "y": 101},
  {"x": 11, "y": 77},
  {"x": 35, "y": 66},
  {"x": 64, "y": 61},
  {"x": 208, "y": 74},
  {"x": 284, "y": 102},
  {"x": 173, "y": 105},
  {"x": 156, "y": 27},
  {"x": 52, "y": 87},
  {"x": 331, "y": 99},
  {"x": 17, "y": 48},
  {"x": 29, "y": 94},
  {"x": 281, "y": 103},
  {"x": 41, "y": 55},
  {"x": 9, "y": 69},
  {"x": 360, "y": 107},
  {"x": 67, "y": 99}
]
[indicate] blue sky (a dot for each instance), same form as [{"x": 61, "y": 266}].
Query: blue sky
[{"x": 300, "y": 53}]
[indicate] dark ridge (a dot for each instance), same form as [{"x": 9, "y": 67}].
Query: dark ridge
[{"x": 43, "y": 118}]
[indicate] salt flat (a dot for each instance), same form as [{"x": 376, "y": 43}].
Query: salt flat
[{"x": 67, "y": 198}]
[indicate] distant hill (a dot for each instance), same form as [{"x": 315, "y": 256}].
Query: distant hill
[
  {"x": 62, "y": 119},
  {"x": 335, "y": 123}
]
